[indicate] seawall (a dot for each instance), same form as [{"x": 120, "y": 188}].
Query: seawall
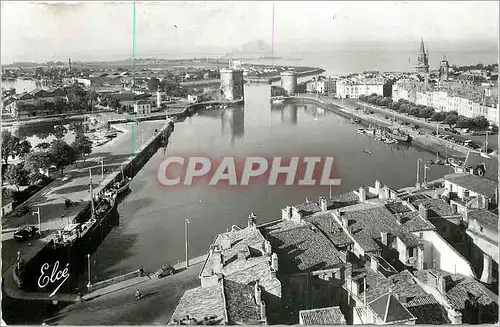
[{"x": 424, "y": 142}]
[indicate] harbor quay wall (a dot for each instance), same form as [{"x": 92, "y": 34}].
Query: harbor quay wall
[
  {"x": 425, "y": 142},
  {"x": 75, "y": 257}
]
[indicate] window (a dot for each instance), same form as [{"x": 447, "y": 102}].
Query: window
[
  {"x": 481, "y": 229},
  {"x": 421, "y": 235},
  {"x": 411, "y": 252}
]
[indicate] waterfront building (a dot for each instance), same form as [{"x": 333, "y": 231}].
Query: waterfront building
[
  {"x": 232, "y": 84},
  {"x": 142, "y": 107},
  {"x": 346, "y": 88},
  {"x": 237, "y": 277},
  {"x": 422, "y": 65},
  {"x": 289, "y": 82}
]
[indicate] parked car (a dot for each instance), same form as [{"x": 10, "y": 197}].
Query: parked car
[
  {"x": 166, "y": 271},
  {"x": 25, "y": 233}
]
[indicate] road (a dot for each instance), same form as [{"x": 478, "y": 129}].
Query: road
[{"x": 161, "y": 297}]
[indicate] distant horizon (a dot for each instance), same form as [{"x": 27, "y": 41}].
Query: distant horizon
[{"x": 58, "y": 31}]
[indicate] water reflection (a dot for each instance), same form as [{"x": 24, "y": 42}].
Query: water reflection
[
  {"x": 289, "y": 112},
  {"x": 233, "y": 120}
]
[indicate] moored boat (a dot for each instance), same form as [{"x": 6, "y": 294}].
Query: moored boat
[
  {"x": 453, "y": 162},
  {"x": 361, "y": 131},
  {"x": 122, "y": 185},
  {"x": 399, "y": 136}
]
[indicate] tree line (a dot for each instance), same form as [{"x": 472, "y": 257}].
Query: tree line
[
  {"x": 451, "y": 118},
  {"x": 44, "y": 156}
]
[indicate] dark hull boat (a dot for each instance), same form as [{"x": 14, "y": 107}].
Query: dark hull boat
[{"x": 122, "y": 186}]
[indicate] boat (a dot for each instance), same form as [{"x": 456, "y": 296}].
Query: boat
[
  {"x": 209, "y": 107},
  {"x": 122, "y": 185},
  {"x": 111, "y": 134},
  {"x": 367, "y": 151},
  {"x": 357, "y": 120},
  {"x": 76, "y": 232},
  {"x": 361, "y": 131},
  {"x": 278, "y": 101},
  {"x": 399, "y": 136},
  {"x": 453, "y": 162},
  {"x": 390, "y": 141}
]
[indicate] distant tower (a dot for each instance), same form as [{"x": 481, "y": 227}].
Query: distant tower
[
  {"x": 289, "y": 82},
  {"x": 231, "y": 84},
  {"x": 69, "y": 61},
  {"x": 422, "y": 65},
  {"x": 444, "y": 69}
]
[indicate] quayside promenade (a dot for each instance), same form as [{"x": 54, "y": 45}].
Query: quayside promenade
[{"x": 105, "y": 163}]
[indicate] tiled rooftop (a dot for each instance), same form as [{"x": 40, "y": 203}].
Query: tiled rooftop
[
  {"x": 240, "y": 303},
  {"x": 299, "y": 247},
  {"x": 418, "y": 302},
  {"x": 367, "y": 221},
  {"x": 435, "y": 207},
  {"x": 331, "y": 229},
  {"x": 390, "y": 310},
  {"x": 323, "y": 316},
  {"x": 200, "y": 303},
  {"x": 307, "y": 208},
  {"x": 484, "y": 217},
  {"x": 475, "y": 159},
  {"x": 461, "y": 288},
  {"x": 474, "y": 183},
  {"x": 248, "y": 240}
]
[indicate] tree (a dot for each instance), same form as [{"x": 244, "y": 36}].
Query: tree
[
  {"x": 451, "y": 120},
  {"x": 23, "y": 148},
  {"x": 10, "y": 143},
  {"x": 62, "y": 154},
  {"x": 438, "y": 116},
  {"x": 413, "y": 110},
  {"x": 16, "y": 175},
  {"x": 60, "y": 131},
  {"x": 82, "y": 146},
  {"x": 42, "y": 146},
  {"x": 480, "y": 122},
  {"x": 453, "y": 112},
  {"x": 464, "y": 122},
  {"x": 153, "y": 84},
  {"x": 35, "y": 161}
]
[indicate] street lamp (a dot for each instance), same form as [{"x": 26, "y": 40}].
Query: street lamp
[
  {"x": 418, "y": 170},
  {"x": 88, "y": 262},
  {"x": 102, "y": 168},
  {"x": 425, "y": 173},
  {"x": 186, "y": 223},
  {"x": 39, "y": 221}
]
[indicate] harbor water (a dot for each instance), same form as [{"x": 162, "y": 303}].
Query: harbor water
[{"x": 152, "y": 217}]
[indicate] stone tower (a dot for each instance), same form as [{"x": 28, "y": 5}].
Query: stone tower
[
  {"x": 422, "y": 65},
  {"x": 232, "y": 84},
  {"x": 444, "y": 69}
]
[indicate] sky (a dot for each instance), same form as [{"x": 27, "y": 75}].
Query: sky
[{"x": 104, "y": 30}]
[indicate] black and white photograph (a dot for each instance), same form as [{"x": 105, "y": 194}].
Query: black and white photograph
[{"x": 249, "y": 162}]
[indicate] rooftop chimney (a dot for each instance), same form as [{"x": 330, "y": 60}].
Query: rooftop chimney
[
  {"x": 252, "y": 221},
  {"x": 487, "y": 275},
  {"x": 274, "y": 261},
  {"x": 225, "y": 242},
  {"x": 383, "y": 238},
  {"x": 377, "y": 186},
  {"x": 262, "y": 310},
  {"x": 242, "y": 255},
  {"x": 218, "y": 264},
  {"x": 258, "y": 293},
  {"x": 374, "y": 264},
  {"x": 422, "y": 211},
  {"x": 286, "y": 213},
  {"x": 323, "y": 203},
  {"x": 362, "y": 194},
  {"x": 441, "y": 284}
]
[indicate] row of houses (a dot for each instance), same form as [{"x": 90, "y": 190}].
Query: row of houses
[
  {"x": 369, "y": 256},
  {"x": 467, "y": 102},
  {"x": 347, "y": 87}
]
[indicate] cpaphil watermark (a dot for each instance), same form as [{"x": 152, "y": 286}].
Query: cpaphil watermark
[{"x": 233, "y": 171}]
